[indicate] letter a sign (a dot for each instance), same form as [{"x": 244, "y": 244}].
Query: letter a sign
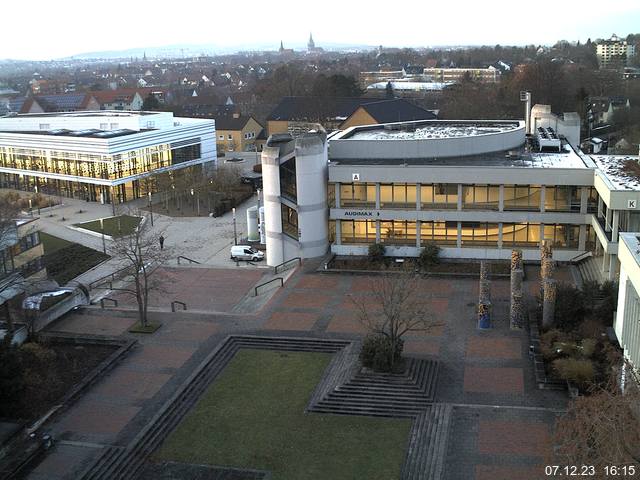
[{"x": 355, "y": 177}]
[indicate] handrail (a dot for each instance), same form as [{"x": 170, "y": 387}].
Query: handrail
[
  {"x": 267, "y": 283},
  {"x": 580, "y": 257},
  {"x": 115, "y": 302},
  {"x": 111, "y": 277},
  {"x": 177, "y": 302},
  {"x": 275, "y": 269},
  {"x": 187, "y": 258}
]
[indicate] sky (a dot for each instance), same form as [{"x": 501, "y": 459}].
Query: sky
[{"x": 50, "y": 29}]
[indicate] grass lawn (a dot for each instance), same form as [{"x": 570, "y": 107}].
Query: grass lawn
[
  {"x": 53, "y": 244},
  {"x": 253, "y": 416},
  {"x": 66, "y": 260},
  {"x": 113, "y": 226}
]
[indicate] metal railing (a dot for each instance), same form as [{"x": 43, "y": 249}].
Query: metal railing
[
  {"x": 579, "y": 258},
  {"x": 286, "y": 264},
  {"x": 102, "y": 300},
  {"x": 176, "y": 302},
  {"x": 188, "y": 259},
  {"x": 255, "y": 290},
  {"x": 109, "y": 278}
]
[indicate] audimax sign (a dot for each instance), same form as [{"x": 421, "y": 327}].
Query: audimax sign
[{"x": 361, "y": 213}]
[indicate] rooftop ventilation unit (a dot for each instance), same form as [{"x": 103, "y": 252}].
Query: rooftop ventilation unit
[{"x": 548, "y": 139}]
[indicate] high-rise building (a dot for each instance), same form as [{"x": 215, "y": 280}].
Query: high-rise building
[{"x": 614, "y": 53}]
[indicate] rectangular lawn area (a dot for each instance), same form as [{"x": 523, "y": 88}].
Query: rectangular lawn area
[
  {"x": 113, "y": 226},
  {"x": 66, "y": 260},
  {"x": 253, "y": 417}
]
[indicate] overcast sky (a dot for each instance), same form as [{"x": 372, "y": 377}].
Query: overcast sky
[{"x": 45, "y": 29}]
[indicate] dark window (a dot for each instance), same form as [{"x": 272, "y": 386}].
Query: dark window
[
  {"x": 288, "y": 179},
  {"x": 185, "y": 154},
  {"x": 289, "y": 221}
]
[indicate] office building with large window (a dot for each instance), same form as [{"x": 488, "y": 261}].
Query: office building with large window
[
  {"x": 100, "y": 155},
  {"x": 477, "y": 189}
]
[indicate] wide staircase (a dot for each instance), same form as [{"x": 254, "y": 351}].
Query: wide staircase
[
  {"x": 344, "y": 389},
  {"x": 404, "y": 394},
  {"x": 590, "y": 269}
]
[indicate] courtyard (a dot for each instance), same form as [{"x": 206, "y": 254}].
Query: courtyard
[{"x": 250, "y": 415}]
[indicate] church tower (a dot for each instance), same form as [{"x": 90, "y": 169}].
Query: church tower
[{"x": 311, "y": 44}]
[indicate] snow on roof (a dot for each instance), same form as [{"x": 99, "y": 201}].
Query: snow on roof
[
  {"x": 613, "y": 168},
  {"x": 565, "y": 159},
  {"x": 410, "y": 85},
  {"x": 434, "y": 131}
]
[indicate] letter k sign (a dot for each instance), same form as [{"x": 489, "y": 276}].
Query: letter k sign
[{"x": 632, "y": 203}]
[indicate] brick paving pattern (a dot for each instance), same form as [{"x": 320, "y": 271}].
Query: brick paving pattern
[
  {"x": 476, "y": 368},
  {"x": 493, "y": 380}
]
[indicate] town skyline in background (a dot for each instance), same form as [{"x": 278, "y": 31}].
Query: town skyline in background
[{"x": 333, "y": 26}]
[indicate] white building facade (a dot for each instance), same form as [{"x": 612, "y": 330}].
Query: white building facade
[{"x": 100, "y": 155}]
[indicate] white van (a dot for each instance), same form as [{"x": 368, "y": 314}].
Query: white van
[{"x": 246, "y": 252}]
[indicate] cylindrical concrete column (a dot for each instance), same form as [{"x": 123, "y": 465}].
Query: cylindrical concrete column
[
  {"x": 272, "y": 208},
  {"x": 311, "y": 179},
  {"x": 549, "y": 303},
  {"x": 252, "y": 224}
]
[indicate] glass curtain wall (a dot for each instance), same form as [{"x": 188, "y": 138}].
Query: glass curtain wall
[
  {"x": 480, "y": 197},
  {"x": 359, "y": 195},
  {"x": 398, "y": 195},
  {"x": 522, "y": 198},
  {"x": 439, "y": 196}
]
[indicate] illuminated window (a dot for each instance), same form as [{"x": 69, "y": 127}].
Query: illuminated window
[
  {"x": 480, "y": 197},
  {"x": 362, "y": 195},
  {"x": 357, "y": 231},
  {"x": 520, "y": 234},
  {"x": 522, "y": 197}
]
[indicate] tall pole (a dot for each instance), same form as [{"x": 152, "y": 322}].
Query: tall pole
[
  {"x": 235, "y": 232},
  {"x": 150, "y": 207},
  {"x": 104, "y": 245}
]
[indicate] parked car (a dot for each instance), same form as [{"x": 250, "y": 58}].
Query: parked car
[{"x": 246, "y": 252}]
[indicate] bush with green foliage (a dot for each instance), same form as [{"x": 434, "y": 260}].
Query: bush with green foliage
[
  {"x": 376, "y": 252},
  {"x": 377, "y": 353},
  {"x": 578, "y": 371},
  {"x": 429, "y": 255}
]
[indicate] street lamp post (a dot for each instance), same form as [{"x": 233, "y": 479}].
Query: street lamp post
[
  {"x": 104, "y": 245},
  {"x": 37, "y": 199},
  {"x": 235, "y": 232},
  {"x": 150, "y": 207}
]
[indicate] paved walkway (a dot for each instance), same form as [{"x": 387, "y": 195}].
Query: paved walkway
[
  {"x": 206, "y": 240},
  {"x": 501, "y": 424}
]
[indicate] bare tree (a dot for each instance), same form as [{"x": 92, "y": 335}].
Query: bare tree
[
  {"x": 142, "y": 254},
  {"x": 601, "y": 429},
  {"x": 10, "y": 279},
  {"x": 395, "y": 305}
]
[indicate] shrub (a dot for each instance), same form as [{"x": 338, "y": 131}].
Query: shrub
[
  {"x": 430, "y": 255},
  {"x": 588, "y": 347},
  {"x": 580, "y": 372},
  {"x": 12, "y": 383},
  {"x": 376, "y": 252},
  {"x": 570, "y": 307},
  {"x": 376, "y": 353}
]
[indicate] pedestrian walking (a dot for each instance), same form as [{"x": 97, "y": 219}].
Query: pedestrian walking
[{"x": 161, "y": 242}]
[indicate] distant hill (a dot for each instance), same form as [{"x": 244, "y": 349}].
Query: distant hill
[{"x": 190, "y": 50}]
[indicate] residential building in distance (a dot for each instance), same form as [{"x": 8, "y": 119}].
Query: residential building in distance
[
  {"x": 298, "y": 115},
  {"x": 237, "y": 133},
  {"x": 490, "y": 74},
  {"x": 107, "y": 156},
  {"x": 387, "y": 111},
  {"x": 614, "y": 53},
  {"x": 66, "y": 102},
  {"x": 121, "y": 99},
  {"x": 600, "y": 110}
]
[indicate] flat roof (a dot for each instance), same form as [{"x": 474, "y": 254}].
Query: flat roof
[
  {"x": 86, "y": 133},
  {"x": 430, "y": 130},
  {"x": 623, "y": 171},
  {"x": 518, "y": 158},
  {"x": 86, "y": 113}
]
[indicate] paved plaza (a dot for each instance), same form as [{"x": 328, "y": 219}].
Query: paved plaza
[{"x": 501, "y": 423}]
